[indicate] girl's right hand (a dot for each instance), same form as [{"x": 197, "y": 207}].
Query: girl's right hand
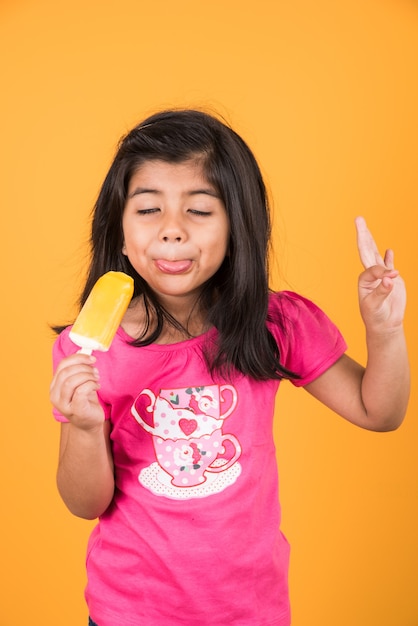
[{"x": 73, "y": 391}]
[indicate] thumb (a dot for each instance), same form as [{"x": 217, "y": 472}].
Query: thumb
[{"x": 378, "y": 279}]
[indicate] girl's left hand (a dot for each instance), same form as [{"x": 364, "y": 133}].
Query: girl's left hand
[{"x": 382, "y": 293}]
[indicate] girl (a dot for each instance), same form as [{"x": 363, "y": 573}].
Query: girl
[{"x": 167, "y": 438}]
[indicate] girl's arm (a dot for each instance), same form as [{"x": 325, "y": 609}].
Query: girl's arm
[
  {"x": 85, "y": 471},
  {"x": 374, "y": 397}
]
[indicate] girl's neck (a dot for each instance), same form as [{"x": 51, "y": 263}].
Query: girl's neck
[
  {"x": 170, "y": 334},
  {"x": 193, "y": 322}
]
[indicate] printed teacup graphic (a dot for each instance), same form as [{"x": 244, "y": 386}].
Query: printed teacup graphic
[{"x": 187, "y": 432}]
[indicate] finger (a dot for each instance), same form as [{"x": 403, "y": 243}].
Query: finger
[
  {"x": 77, "y": 400},
  {"x": 389, "y": 259},
  {"x": 369, "y": 253},
  {"x": 372, "y": 276},
  {"x": 72, "y": 373},
  {"x": 75, "y": 359},
  {"x": 85, "y": 392},
  {"x": 381, "y": 292},
  {"x": 66, "y": 382}
]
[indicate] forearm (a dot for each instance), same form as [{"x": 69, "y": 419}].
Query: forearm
[
  {"x": 386, "y": 381},
  {"x": 85, "y": 476}
]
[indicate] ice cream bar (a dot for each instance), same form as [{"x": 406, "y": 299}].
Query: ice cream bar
[{"x": 99, "y": 319}]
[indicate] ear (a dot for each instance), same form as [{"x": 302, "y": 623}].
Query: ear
[{"x": 124, "y": 249}]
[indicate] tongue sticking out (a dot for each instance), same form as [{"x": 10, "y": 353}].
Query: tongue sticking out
[{"x": 173, "y": 267}]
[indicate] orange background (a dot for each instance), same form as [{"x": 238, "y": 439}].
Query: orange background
[{"x": 326, "y": 94}]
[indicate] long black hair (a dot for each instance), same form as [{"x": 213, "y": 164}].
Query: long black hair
[{"x": 235, "y": 299}]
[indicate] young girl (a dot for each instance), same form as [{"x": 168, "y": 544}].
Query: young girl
[{"x": 167, "y": 438}]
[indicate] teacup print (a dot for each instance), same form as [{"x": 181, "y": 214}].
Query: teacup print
[
  {"x": 194, "y": 457},
  {"x": 187, "y": 460}
]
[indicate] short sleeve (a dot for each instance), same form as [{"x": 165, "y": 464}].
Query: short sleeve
[{"x": 308, "y": 341}]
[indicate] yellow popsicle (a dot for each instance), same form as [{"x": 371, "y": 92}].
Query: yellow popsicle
[{"x": 99, "y": 319}]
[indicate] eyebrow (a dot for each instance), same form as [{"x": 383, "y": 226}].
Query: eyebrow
[{"x": 208, "y": 191}]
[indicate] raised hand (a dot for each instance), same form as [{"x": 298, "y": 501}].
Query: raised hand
[{"x": 382, "y": 293}]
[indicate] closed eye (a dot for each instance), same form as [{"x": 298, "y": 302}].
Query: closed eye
[
  {"x": 147, "y": 211},
  {"x": 202, "y": 213}
]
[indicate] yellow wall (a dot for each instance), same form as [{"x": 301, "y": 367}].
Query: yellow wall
[{"x": 326, "y": 94}]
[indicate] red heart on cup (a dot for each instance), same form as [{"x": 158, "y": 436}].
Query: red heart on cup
[{"x": 187, "y": 426}]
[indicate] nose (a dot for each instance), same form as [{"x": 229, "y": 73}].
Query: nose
[
  {"x": 169, "y": 238},
  {"x": 172, "y": 230}
]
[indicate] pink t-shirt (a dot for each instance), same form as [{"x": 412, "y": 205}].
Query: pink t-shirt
[{"x": 192, "y": 537}]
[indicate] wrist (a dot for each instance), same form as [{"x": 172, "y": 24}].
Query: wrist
[
  {"x": 86, "y": 431},
  {"x": 385, "y": 339},
  {"x": 381, "y": 331}
]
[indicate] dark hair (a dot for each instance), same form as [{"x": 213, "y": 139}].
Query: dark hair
[{"x": 236, "y": 297}]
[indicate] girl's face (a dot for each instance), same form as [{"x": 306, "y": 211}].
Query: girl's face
[{"x": 175, "y": 229}]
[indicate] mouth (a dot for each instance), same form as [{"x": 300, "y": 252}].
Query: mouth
[{"x": 173, "y": 267}]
